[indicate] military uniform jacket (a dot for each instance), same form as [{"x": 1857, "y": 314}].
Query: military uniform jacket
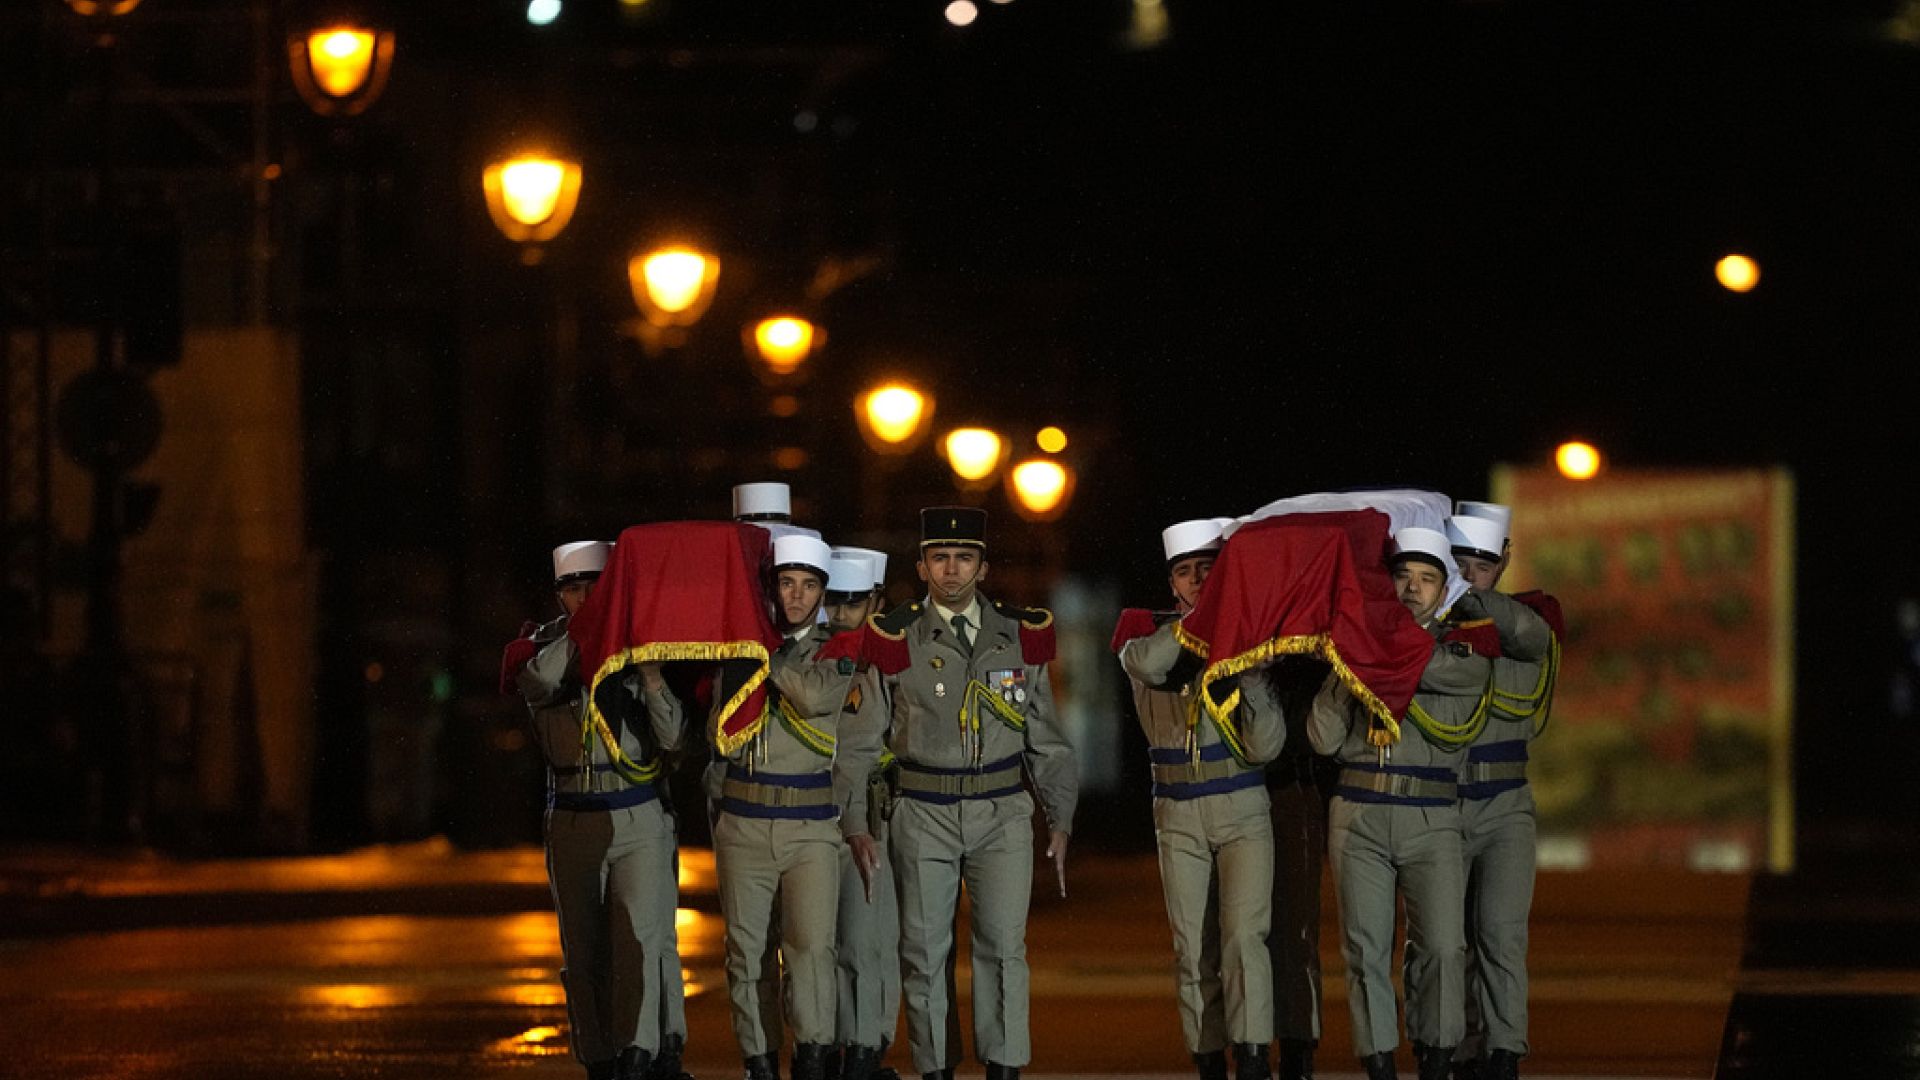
[
  {"x": 1176, "y": 725},
  {"x": 930, "y": 694},
  {"x": 863, "y": 762},
  {"x": 1494, "y": 775},
  {"x": 578, "y": 760}
]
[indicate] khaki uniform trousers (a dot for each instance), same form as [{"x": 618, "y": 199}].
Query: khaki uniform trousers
[
  {"x": 1216, "y": 871},
  {"x": 799, "y": 862},
  {"x": 987, "y": 845},
  {"x": 1500, "y": 850},
  {"x": 615, "y": 891},
  {"x": 1379, "y": 850},
  {"x": 868, "y": 956}
]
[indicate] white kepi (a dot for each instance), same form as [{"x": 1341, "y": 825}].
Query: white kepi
[
  {"x": 769, "y": 501},
  {"x": 579, "y": 559},
  {"x": 806, "y": 552},
  {"x": 1482, "y": 538},
  {"x": 1432, "y": 543},
  {"x": 849, "y": 577},
  {"x": 1489, "y": 511},
  {"x": 876, "y": 560},
  {"x": 1189, "y": 538}
]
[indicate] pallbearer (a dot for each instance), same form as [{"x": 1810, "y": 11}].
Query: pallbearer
[
  {"x": 972, "y": 725},
  {"x": 1496, "y": 804},
  {"x": 777, "y": 835},
  {"x": 610, "y": 843},
  {"x": 1211, "y": 822},
  {"x": 868, "y": 953}
]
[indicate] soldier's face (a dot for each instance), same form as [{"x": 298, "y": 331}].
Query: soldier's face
[
  {"x": 573, "y": 594},
  {"x": 799, "y": 596},
  {"x": 1186, "y": 577},
  {"x": 1419, "y": 585},
  {"x": 953, "y": 573},
  {"x": 849, "y": 616},
  {"x": 1480, "y": 573}
]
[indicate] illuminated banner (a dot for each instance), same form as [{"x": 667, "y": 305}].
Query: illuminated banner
[{"x": 1671, "y": 734}]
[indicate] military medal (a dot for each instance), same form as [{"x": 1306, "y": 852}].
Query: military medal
[
  {"x": 937, "y": 663},
  {"x": 939, "y": 689}
]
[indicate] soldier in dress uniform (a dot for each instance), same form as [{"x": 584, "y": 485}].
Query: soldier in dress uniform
[
  {"x": 1394, "y": 828},
  {"x": 1496, "y": 804},
  {"x": 610, "y": 842},
  {"x": 868, "y": 954},
  {"x": 777, "y": 836},
  {"x": 971, "y": 724},
  {"x": 1211, "y": 825}
]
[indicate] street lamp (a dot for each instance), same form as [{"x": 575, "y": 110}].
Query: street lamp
[
  {"x": 1051, "y": 439},
  {"x": 783, "y": 342},
  {"x": 340, "y": 70},
  {"x": 673, "y": 285},
  {"x": 1577, "y": 460},
  {"x": 105, "y": 8},
  {"x": 531, "y": 197},
  {"x": 1737, "y": 273},
  {"x": 1040, "y": 488},
  {"x": 974, "y": 454},
  {"x": 893, "y": 416}
]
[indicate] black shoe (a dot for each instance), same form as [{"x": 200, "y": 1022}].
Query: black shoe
[
  {"x": 836, "y": 1061},
  {"x": 1502, "y": 1065},
  {"x": 1435, "y": 1062},
  {"x": 634, "y": 1063},
  {"x": 1250, "y": 1062},
  {"x": 809, "y": 1061},
  {"x": 667, "y": 1063},
  {"x": 860, "y": 1063},
  {"x": 1212, "y": 1065},
  {"x": 1469, "y": 1069},
  {"x": 1296, "y": 1059},
  {"x": 1380, "y": 1066},
  {"x": 762, "y": 1067},
  {"x": 1002, "y": 1072}
]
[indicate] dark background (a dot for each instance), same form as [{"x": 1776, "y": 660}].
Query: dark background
[{"x": 1296, "y": 246}]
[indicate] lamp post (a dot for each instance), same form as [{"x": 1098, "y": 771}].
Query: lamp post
[
  {"x": 783, "y": 343},
  {"x": 531, "y": 196},
  {"x": 1040, "y": 488},
  {"x": 893, "y": 418},
  {"x": 974, "y": 454}
]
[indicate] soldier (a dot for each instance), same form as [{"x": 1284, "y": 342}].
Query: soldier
[
  {"x": 1394, "y": 826},
  {"x": 776, "y": 837},
  {"x": 1496, "y": 805},
  {"x": 1211, "y": 826},
  {"x": 971, "y": 711},
  {"x": 610, "y": 844},
  {"x": 868, "y": 952}
]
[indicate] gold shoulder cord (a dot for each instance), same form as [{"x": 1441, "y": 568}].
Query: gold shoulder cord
[{"x": 1534, "y": 706}]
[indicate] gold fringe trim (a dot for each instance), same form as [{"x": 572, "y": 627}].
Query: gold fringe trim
[
  {"x": 691, "y": 650},
  {"x": 1319, "y": 646}
]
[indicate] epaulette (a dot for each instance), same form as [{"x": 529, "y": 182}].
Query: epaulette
[
  {"x": 844, "y": 647},
  {"x": 1037, "y": 647},
  {"x": 1547, "y": 608},
  {"x": 1133, "y": 623},
  {"x": 884, "y": 638},
  {"x": 1480, "y": 635}
]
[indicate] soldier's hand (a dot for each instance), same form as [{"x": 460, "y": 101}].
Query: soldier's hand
[
  {"x": 650, "y": 676},
  {"x": 866, "y": 859},
  {"x": 1057, "y": 851}
]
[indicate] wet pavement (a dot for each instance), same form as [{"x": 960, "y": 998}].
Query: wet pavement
[{"x": 425, "y": 961}]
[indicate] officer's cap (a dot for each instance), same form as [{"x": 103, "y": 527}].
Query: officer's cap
[{"x": 964, "y": 526}]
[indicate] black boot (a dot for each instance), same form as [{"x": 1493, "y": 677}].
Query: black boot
[
  {"x": 1502, "y": 1065},
  {"x": 763, "y": 1067},
  {"x": 1296, "y": 1059},
  {"x": 1380, "y": 1066},
  {"x": 1250, "y": 1062},
  {"x": 1435, "y": 1062},
  {"x": 859, "y": 1063},
  {"x": 1469, "y": 1069},
  {"x": 634, "y": 1063},
  {"x": 809, "y": 1061},
  {"x": 835, "y": 1063},
  {"x": 1002, "y": 1072},
  {"x": 667, "y": 1064},
  {"x": 1212, "y": 1065}
]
